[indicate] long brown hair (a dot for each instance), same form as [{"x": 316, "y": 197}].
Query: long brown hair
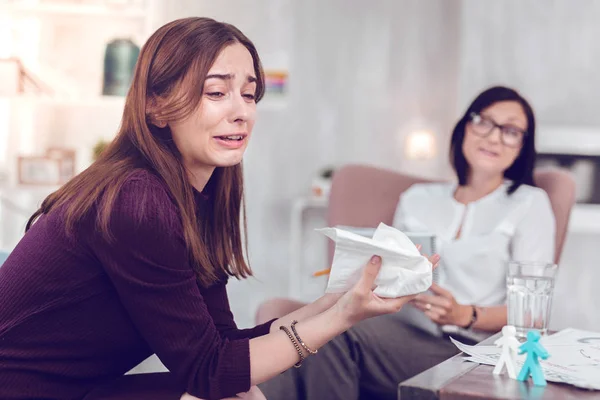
[{"x": 172, "y": 67}]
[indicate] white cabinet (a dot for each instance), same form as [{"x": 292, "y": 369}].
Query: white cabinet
[{"x": 62, "y": 44}]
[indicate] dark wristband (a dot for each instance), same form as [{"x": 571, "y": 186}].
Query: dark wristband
[{"x": 473, "y": 318}]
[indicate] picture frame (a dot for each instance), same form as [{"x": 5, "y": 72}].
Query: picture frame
[
  {"x": 276, "y": 81},
  {"x": 56, "y": 167},
  {"x": 38, "y": 170}
]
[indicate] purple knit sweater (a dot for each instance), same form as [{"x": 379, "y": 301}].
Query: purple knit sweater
[{"x": 78, "y": 311}]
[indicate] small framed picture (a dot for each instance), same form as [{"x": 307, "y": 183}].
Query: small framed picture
[
  {"x": 38, "y": 170},
  {"x": 56, "y": 167},
  {"x": 276, "y": 81}
]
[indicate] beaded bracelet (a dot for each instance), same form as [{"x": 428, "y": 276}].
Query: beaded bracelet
[
  {"x": 304, "y": 346},
  {"x": 298, "y": 349}
]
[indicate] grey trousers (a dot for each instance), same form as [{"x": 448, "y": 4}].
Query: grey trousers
[{"x": 367, "y": 362}]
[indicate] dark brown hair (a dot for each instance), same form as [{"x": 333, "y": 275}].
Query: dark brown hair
[{"x": 172, "y": 67}]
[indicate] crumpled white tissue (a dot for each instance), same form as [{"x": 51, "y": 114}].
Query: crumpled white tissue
[{"x": 404, "y": 271}]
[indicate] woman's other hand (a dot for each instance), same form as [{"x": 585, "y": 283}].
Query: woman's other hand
[{"x": 443, "y": 308}]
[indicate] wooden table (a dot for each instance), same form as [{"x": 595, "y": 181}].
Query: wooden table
[{"x": 455, "y": 379}]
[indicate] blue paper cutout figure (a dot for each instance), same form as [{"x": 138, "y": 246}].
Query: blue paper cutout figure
[{"x": 532, "y": 364}]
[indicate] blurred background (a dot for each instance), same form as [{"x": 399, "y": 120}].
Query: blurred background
[{"x": 378, "y": 82}]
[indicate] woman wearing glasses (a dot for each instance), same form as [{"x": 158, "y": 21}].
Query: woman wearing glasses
[{"x": 494, "y": 213}]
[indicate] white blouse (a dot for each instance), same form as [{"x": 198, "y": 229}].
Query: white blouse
[{"x": 495, "y": 229}]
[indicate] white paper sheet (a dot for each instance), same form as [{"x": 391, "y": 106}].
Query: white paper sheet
[{"x": 574, "y": 357}]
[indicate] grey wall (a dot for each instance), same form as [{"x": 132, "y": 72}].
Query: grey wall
[{"x": 549, "y": 49}]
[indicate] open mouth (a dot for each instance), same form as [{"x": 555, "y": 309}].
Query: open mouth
[
  {"x": 232, "y": 142},
  {"x": 236, "y": 138}
]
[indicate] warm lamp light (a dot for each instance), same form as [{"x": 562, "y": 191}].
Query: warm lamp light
[{"x": 420, "y": 145}]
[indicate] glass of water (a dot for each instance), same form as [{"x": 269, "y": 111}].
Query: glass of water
[{"x": 530, "y": 286}]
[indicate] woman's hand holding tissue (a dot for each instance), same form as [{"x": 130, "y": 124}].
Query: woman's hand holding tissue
[
  {"x": 317, "y": 324},
  {"x": 442, "y": 307},
  {"x": 405, "y": 271},
  {"x": 360, "y": 302}
]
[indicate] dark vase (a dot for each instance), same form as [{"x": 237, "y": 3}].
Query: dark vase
[{"x": 119, "y": 63}]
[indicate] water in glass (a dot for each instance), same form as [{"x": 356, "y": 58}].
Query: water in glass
[{"x": 530, "y": 290}]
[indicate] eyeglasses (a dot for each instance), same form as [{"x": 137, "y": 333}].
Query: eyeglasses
[{"x": 510, "y": 135}]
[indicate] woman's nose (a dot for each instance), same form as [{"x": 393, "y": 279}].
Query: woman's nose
[
  {"x": 495, "y": 135},
  {"x": 240, "y": 109}
]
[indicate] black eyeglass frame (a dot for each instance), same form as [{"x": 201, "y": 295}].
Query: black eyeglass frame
[{"x": 503, "y": 129}]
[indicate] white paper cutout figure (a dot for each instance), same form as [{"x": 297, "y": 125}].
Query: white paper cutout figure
[{"x": 510, "y": 347}]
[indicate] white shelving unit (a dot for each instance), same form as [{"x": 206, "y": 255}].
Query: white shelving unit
[
  {"x": 63, "y": 43},
  {"x": 578, "y": 141},
  {"x": 299, "y": 207}
]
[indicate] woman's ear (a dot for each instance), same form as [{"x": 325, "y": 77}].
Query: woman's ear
[{"x": 153, "y": 114}]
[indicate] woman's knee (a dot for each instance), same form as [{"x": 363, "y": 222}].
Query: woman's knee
[{"x": 253, "y": 394}]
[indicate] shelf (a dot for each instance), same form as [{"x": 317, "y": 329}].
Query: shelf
[
  {"x": 577, "y": 140},
  {"x": 66, "y": 10},
  {"x": 88, "y": 101},
  {"x": 585, "y": 218},
  {"x": 92, "y": 101}
]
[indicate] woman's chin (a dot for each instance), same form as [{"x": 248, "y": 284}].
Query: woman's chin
[
  {"x": 228, "y": 161},
  {"x": 488, "y": 167}
]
